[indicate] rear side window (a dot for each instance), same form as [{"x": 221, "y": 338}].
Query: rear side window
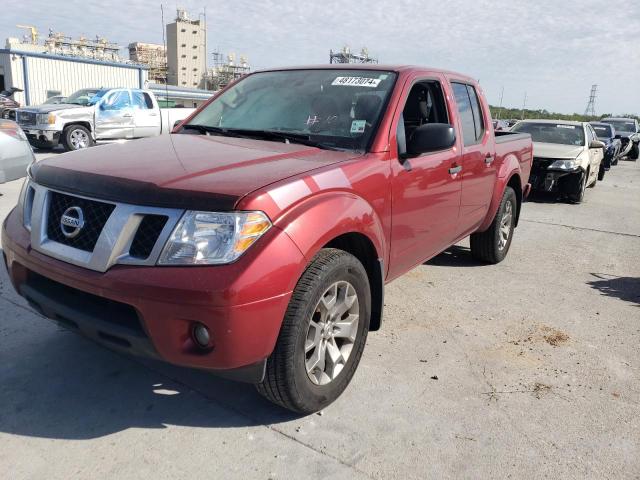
[
  {"x": 470, "y": 113},
  {"x": 142, "y": 100}
]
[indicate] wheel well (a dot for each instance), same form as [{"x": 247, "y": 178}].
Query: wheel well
[
  {"x": 516, "y": 184},
  {"x": 87, "y": 125},
  {"x": 362, "y": 248}
]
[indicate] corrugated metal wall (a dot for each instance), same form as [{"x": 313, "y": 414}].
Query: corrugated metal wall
[
  {"x": 65, "y": 76},
  {"x": 47, "y": 74}
]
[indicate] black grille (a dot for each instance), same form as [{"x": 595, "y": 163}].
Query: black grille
[
  {"x": 540, "y": 165},
  {"x": 27, "y": 118},
  {"x": 95, "y": 214},
  {"x": 147, "y": 236}
]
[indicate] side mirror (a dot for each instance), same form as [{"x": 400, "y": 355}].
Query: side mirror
[
  {"x": 176, "y": 123},
  {"x": 596, "y": 144},
  {"x": 431, "y": 137}
]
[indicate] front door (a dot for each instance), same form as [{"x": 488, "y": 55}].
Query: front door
[
  {"x": 426, "y": 189},
  {"x": 114, "y": 116}
]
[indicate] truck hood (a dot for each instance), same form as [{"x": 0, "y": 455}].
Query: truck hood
[
  {"x": 54, "y": 108},
  {"x": 554, "y": 150},
  {"x": 180, "y": 170}
]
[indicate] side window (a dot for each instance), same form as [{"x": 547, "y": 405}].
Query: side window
[
  {"x": 478, "y": 119},
  {"x": 466, "y": 113},
  {"x": 425, "y": 104},
  {"x": 118, "y": 101},
  {"x": 141, "y": 100}
]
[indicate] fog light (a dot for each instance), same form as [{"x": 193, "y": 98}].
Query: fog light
[{"x": 201, "y": 335}]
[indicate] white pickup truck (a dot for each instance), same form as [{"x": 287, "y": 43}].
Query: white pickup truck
[{"x": 92, "y": 116}]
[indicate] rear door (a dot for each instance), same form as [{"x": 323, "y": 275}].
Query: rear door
[
  {"x": 479, "y": 171},
  {"x": 426, "y": 188},
  {"x": 114, "y": 116},
  {"x": 146, "y": 115}
]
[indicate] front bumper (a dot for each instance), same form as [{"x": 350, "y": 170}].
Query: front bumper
[
  {"x": 564, "y": 181},
  {"x": 151, "y": 311},
  {"x": 42, "y": 135}
]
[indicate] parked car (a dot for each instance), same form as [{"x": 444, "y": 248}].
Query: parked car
[
  {"x": 628, "y": 130},
  {"x": 612, "y": 145},
  {"x": 500, "y": 125},
  {"x": 255, "y": 241},
  {"x": 15, "y": 152},
  {"x": 7, "y": 103},
  {"x": 92, "y": 115},
  {"x": 566, "y": 156},
  {"x": 55, "y": 100}
]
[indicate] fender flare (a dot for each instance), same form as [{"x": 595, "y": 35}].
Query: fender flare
[
  {"x": 350, "y": 214},
  {"x": 509, "y": 169}
]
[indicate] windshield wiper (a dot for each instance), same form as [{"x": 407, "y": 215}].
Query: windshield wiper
[
  {"x": 299, "y": 138},
  {"x": 288, "y": 137}
]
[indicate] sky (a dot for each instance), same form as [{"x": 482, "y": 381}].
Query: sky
[{"x": 553, "y": 50}]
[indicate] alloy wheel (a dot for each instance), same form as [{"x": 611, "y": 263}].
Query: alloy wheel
[
  {"x": 332, "y": 333},
  {"x": 79, "y": 139},
  {"x": 506, "y": 223}
]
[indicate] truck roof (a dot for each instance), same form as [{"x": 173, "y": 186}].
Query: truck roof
[
  {"x": 399, "y": 68},
  {"x": 619, "y": 118}
]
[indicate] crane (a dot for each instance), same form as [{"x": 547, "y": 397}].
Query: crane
[{"x": 33, "y": 32}]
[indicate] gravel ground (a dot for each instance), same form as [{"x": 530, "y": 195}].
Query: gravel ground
[{"x": 527, "y": 369}]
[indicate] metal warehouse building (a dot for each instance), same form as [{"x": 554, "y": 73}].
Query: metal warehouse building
[{"x": 42, "y": 75}]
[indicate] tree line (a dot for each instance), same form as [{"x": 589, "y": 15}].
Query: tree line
[{"x": 505, "y": 113}]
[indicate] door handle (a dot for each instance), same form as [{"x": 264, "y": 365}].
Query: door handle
[
  {"x": 489, "y": 159},
  {"x": 454, "y": 170}
]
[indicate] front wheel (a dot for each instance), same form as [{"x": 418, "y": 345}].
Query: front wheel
[
  {"x": 578, "y": 196},
  {"x": 493, "y": 245},
  {"x": 601, "y": 173},
  {"x": 76, "y": 137},
  {"x": 635, "y": 151},
  {"x": 322, "y": 336}
]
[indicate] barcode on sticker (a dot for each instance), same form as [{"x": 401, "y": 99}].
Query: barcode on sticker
[{"x": 356, "y": 82}]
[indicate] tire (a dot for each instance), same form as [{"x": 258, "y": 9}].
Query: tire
[
  {"x": 601, "y": 173},
  {"x": 578, "y": 197},
  {"x": 289, "y": 382},
  {"x": 76, "y": 137},
  {"x": 493, "y": 245},
  {"x": 635, "y": 151}
]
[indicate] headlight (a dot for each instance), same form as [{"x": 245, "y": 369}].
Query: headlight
[
  {"x": 45, "y": 118},
  {"x": 564, "y": 164},
  {"x": 25, "y": 203},
  {"x": 210, "y": 238}
]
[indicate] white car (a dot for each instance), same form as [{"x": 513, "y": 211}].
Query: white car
[
  {"x": 566, "y": 156},
  {"x": 15, "y": 152}
]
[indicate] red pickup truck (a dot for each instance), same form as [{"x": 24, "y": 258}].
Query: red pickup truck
[{"x": 255, "y": 240}]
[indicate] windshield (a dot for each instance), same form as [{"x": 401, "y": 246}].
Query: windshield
[
  {"x": 333, "y": 108},
  {"x": 97, "y": 96},
  {"x": 552, "y": 133},
  {"x": 81, "y": 97},
  {"x": 622, "y": 125},
  {"x": 603, "y": 131}
]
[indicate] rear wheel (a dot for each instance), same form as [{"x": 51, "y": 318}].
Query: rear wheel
[
  {"x": 322, "y": 336},
  {"x": 493, "y": 245},
  {"x": 76, "y": 137}
]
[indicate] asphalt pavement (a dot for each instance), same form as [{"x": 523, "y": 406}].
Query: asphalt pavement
[{"x": 526, "y": 369}]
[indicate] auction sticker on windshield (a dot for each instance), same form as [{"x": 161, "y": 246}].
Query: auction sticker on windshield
[{"x": 356, "y": 81}]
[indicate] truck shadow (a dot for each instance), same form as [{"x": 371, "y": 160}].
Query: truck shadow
[
  {"x": 455, "y": 256},
  {"x": 624, "y": 288},
  {"x": 59, "y": 385}
]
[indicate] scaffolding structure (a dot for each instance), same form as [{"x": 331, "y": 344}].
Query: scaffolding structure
[
  {"x": 225, "y": 70},
  {"x": 591, "y": 104},
  {"x": 347, "y": 56},
  {"x": 153, "y": 56},
  {"x": 98, "y": 49}
]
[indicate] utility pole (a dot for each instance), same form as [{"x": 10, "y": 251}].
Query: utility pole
[
  {"x": 524, "y": 104},
  {"x": 591, "y": 104},
  {"x": 501, "y": 97}
]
